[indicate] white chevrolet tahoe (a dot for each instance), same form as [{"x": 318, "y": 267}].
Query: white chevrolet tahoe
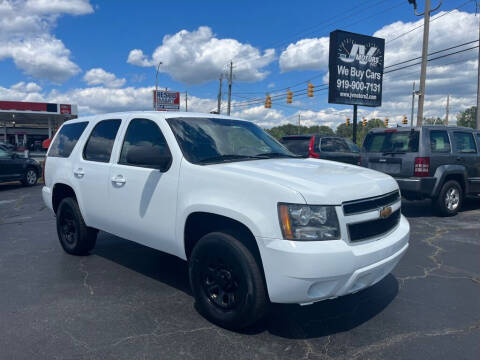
[{"x": 255, "y": 223}]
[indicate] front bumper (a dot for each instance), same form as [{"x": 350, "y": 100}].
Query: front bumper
[
  {"x": 305, "y": 272},
  {"x": 416, "y": 188}
]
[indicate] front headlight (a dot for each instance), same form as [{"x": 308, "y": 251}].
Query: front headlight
[{"x": 308, "y": 222}]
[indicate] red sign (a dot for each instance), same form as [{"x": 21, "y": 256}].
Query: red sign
[{"x": 65, "y": 109}]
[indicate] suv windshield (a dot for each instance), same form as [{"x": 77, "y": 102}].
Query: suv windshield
[
  {"x": 213, "y": 140},
  {"x": 392, "y": 142}
]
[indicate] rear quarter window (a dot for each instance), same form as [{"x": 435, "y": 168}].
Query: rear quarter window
[
  {"x": 464, "y": 142},
  {"x": 66, "y": 139}
]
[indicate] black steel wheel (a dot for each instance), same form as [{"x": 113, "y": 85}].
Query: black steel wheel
[
  {"x": 75, "y": 236},
  {"x": 227, "y": 282}
]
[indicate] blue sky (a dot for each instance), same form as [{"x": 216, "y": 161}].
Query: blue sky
[{"x": 102, "y": 34}]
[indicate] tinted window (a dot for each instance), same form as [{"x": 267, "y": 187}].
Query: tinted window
[
  {"x": 464, "y": 142},
  {"x": 439, "y": 141},
  {"x": 213, "y": 140},
  {"x": 66, "y": 139},
  {"x": 404, "y": 141},
  {"x": 142, "y": 133},
  {"x": 478, "y": 141},
  {"x": 353, "y": 147},
  {"x": 100, "y": 143},
  {"x": 297, "y": 145},
  {"x": 334, "y": 145}
]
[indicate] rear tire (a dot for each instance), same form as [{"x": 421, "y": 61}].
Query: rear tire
[
  {"x": 227, "y": 282},
  {"x": 30, "y": 178},
  {"x": 450, "y": 199},
  {"x": 75, "y": 236}
]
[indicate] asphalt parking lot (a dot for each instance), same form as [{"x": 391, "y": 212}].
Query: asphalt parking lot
[{"x": 126, "y": 301}]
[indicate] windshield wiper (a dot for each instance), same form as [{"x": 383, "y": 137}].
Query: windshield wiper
[
  {"x": 229, "y": 157},
  {"x": 275, "y": 155}
]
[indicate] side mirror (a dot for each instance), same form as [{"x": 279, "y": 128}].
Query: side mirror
[{"x": 149, "y": 156}]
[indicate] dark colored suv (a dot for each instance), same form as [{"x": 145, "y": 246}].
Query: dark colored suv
[
  {"x": 323, "y": 147},
  {"x": 437, "y": 162},
  {"x": 13, "y": 167}
]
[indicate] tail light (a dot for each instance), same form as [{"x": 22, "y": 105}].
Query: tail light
[
  {"x": 359, "y": 161},
  {"x": 311, "y": 148},
  {"x": 422, "y": 166},
  {"x": 43, "y": 168}
]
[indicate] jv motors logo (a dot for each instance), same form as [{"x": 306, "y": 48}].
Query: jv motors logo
[{"x": 364, "y": 54}]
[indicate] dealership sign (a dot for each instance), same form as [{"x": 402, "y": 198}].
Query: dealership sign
[
  {"x": 166, "y": 100},
  {"x": 355, "y": 69}
]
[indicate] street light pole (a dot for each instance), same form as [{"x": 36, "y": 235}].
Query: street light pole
[
  {"x": 156, "y": 87},
  {"x": 413, "y": 104},
  {"x": 478, "y": 82},
  {"x": 423, "y": 72}
]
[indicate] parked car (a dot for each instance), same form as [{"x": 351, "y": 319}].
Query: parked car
[
  {"x": 323, "y": 147},
  {"x": 13, "y": 168},
  {"x": 7, "y": 147},
  {"x": 441, "y": 163},
  {"x": 255, "y": 222}
]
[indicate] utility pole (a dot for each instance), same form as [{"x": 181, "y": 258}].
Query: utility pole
[
  {"x": 423, "y": 72},
  {"x": 413, "y": 104},
  {"x": 156, "y": 87},
  {"x": 478, "y": 82},
  {"x": 219, "y": 100},
  {"x": 186, "y": 101},
  {"x": 354, "y": 128},
  {"x": 448, "y": 109},
  {"x": 298, "y": 129},
  {"x": 230, "y": 88}
]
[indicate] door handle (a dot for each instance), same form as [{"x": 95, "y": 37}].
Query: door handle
[
  {"x": 79, "y": 172},
  {"x": 119, "y": 180}
]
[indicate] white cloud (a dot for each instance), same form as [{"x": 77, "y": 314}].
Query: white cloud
[
  {"x": 26, "y": 38},
  {"x": 305, "y": 54},
  {"x": 71, "y": 7},
  {"x": 30, "y": 87},
  {"x": 194, "y": 57},
  {"x": 98, "y": 76}
]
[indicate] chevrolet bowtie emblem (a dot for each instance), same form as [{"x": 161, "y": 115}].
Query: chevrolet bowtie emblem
[{"x": 385, "y": 212}]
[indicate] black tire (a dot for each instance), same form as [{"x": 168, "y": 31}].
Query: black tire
[
  {"x": 30, "y": 178},
  {"x": 227, "y": 282},
  {"x": 75, "y": 237},
  {"x": 450, "y": 199}
]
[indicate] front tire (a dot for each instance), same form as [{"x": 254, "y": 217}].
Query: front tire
[
  {"x": 30, "y": 178},
  {"x": 227, "y": 282},
  {"x": 75, "y": 236},
  {"x": 450, "y": 199}
]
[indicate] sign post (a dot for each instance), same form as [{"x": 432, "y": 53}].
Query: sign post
[
  {"x": 166, "y": 100},
  {"x": 355, "y": 71}
]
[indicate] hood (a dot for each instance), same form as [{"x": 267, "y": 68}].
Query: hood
[{"x": 318, "y": 181}]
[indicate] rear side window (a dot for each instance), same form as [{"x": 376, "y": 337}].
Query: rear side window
[
  {"x": 402, "y": 142},
  {"x": 439, "y": 141},
  {"x": 66, "y": 139},
  {"x": 100, "y": 143},
  {"x": 298, "y": 145},
  {"x": 334, "y": 145},
  {"x": 142, "y": 132},
  {"x": 464, "y": 142}
]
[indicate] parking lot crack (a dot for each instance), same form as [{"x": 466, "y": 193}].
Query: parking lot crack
[{"x": 85, "y": 276}]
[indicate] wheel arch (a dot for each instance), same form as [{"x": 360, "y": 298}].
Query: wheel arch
[{"x": 445, "y": 173}]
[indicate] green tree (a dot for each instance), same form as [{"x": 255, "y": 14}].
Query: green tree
[
  {"x": 290, "y": 129},
  {"x": 434, "y": 121},
  {"x": 468, "y": 117},
  {"x": 347, "y": 131}
]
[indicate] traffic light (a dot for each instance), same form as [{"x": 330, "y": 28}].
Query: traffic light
[
  {"x": 310, "y": 89},
  {"x": 347, "y": 122},
  {"x": 268, "y": 102},
  {"x": 386, "y": 122},
  {"x": 289, "y": 96},
  {"x": 364, "y": 122},
  {"x": 404, "y": 121}
]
